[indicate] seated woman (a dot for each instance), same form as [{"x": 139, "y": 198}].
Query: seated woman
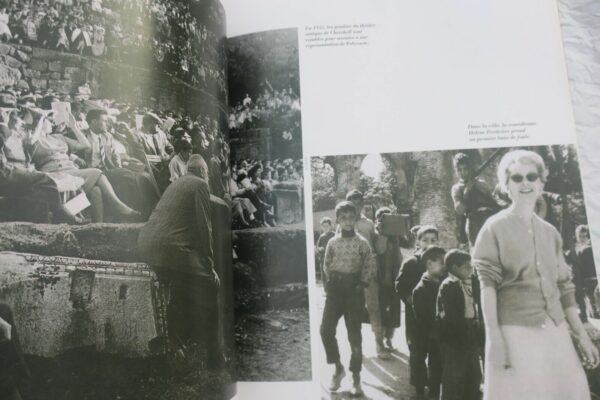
[
  {"x": 263, "y": 193},
  {"x": 241, "y": 207},
  {"x": 178, "y": 164},
  {"x": 19, "y": 179},
  {"x": 51, "y": 153}
]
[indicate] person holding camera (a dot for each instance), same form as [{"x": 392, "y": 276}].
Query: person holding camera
[{"x": 389, "y": 260}]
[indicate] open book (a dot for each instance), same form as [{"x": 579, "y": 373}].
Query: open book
[{"x": 194, "y": 194}]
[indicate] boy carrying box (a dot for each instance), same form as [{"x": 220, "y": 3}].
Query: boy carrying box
[
  {"x": 349, "y": 267},
  {"x": 427, "y": 345},
  {"x": 460, "y": 329}
]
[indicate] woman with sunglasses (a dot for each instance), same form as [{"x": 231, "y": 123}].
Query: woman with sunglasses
[{"x": 528, "y": 298}]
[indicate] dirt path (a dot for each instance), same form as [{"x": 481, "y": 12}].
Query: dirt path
[
  {"x": 381, "y": 379},
  {"x": 274, "y": 346}
]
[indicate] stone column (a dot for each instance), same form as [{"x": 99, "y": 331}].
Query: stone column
[{"x": 347, "y": 172}]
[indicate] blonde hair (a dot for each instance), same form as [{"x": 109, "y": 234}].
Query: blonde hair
[{"x": 521, "y": 157}]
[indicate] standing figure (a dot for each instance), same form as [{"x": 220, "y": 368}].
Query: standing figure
[
  {"x": 349, "y": 268},
  {"x": 366, "y": 228},
  {"x": 427, "y": 340},
  {"x": 389, "y": 260},
  {"x": 584, "y": 273},
  {"x": 409, "y": 276},
  {"x": 473, "y": 199},
  {"x": 460, "y": 329},
  {"x": 324, "y": 238},
  {"x": 526, "y": 296},
  {"x": 177, "y": 242}
]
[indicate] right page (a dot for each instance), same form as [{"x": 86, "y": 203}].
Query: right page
[{"x": 444, "y": 202}]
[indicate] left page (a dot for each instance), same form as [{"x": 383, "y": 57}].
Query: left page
[{"x": 115, "y": 241}]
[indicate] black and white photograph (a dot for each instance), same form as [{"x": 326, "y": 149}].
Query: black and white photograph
[
  {"x": 115, "y": 240},
  {"x": 267, "y": 191},
  {"x": 459, "y": 274}
]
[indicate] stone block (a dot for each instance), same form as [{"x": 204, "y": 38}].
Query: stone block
[
  {"x": 23, "y": 85},
  {"x": 279, "y": 254},
  {"x": 38, "y": 65},
  {"x": 6, "y": 49},
  {"x": 55, "y": 75},
  {"x": 288, "y": 206},
  {"x": 39, "y": 83},
  {"x": 63, "y": 303},
  {"x": 26, "y": 49},
  {"x": 10, "y": 61},
  {"x": 8, "y": 75},
  {"x": 8, "y": 100},
  {"x": 55, "y": 66},
  {"x": 43, "y": 54},
  {"x": 75, "y": 74},
  {"x": 31, "y": 73},
  {"x": 62, "y": 86},
  {"x": 21, "y": 55}
]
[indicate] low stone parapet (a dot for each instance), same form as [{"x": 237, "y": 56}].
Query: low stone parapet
[
  {"x": 278, "y": 255},
  {"x": 61, "y": 303}
]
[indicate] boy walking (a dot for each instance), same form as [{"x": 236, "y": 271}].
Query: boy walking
[
  {"x": 348, "y": 268},
  {"x": 428, "y": 366},
  {"x": 460, "y": 330}
]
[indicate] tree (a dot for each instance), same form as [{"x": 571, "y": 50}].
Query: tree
[{"x": 323, "y": 185}]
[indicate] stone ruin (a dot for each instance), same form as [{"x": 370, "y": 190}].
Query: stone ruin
[
  {"x": 424, "y": 182},
  {"x": 79, "y": 286}
]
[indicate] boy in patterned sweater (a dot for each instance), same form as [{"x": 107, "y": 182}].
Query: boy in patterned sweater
[{"x": 348, "y": 268}]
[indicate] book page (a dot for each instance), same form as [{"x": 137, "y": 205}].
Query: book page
[
  {"x": 427, "y": 130},
  {"x": 115, "y": 239}
]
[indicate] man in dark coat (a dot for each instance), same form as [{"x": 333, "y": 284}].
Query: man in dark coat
[{"x": 177, "y": 243}]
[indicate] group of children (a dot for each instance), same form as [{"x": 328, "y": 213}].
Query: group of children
[{"x": 442, "y": 316}]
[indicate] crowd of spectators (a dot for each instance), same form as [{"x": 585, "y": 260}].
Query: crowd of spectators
[
  {"x": 251, "y": 187},
  {"x": 123, "y": 30},
  {"x": 278, "y": 110},
  {"x": 124, "y": 153}
]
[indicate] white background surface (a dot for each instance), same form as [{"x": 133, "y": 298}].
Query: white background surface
[
  {"x": 430, "y": 71},
  {"x": 580, "y": 20}
]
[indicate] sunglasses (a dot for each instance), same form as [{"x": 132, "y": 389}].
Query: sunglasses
[{"x": 531, "y": 177}]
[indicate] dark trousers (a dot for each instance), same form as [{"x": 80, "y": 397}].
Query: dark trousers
[
  {"x": 409, "y": 326},
  {"x": 13, "y": 369},
  {"x": 344, "y": 298},
  {"x": 461, "y": 374},
  {"x": 427, "y": 363},
  {"x": 135, "y": 189},
  {"x": 192, "y": 313}
]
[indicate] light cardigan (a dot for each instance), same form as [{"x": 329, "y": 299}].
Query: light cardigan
[{"x": 527, "y": 268}]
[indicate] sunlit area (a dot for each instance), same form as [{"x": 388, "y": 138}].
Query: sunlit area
[{"x": 372, "y": 166}]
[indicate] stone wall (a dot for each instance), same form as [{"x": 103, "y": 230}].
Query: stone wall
[
  {"x": 100, "y": 294},
  {"x": 289, "y": 205},
  {"x": 252, "y": 144},
  {"x": 278, "y": 255},
  {"x": 34, "y": 68}
]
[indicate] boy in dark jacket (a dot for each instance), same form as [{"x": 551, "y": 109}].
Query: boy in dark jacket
[
  {"x": 409, "y": 276},
  {"x": 460, "y": 330},
  {"x": 427, "y": 346}
]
